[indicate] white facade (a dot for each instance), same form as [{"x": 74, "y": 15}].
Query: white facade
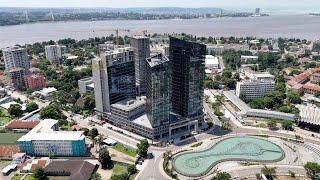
[
  {"x": 53, "y": 53},
  {"x": 101, "y": 86},
  {"x": 211, "y": 62},
  {"x": 252, "y": 89},
  {"x": 249, "y": 58},
  {"x": 215, "y": 49},
  {"x": 85, "y": 85},
  {"x": 16, "y": 58}
]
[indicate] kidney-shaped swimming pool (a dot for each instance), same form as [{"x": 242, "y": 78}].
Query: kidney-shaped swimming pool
[{"x": 198, "y": 163}]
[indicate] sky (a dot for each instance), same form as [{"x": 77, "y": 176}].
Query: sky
[{"x": 232, "y": 4}]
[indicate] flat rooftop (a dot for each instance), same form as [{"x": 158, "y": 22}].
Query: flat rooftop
[
  {"x": 143, "y": 121},
  {"x": 44, "y": 131},
  {"x": 157, "y": 60},
  {"x": 211, "y": 60},
  {"x": 236, "y": 101},
  {"x": 130, "y": 103}
]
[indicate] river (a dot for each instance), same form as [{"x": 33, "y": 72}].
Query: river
[{"x": 297, "y": 26}]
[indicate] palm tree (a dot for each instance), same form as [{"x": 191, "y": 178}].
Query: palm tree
[{"x": 268, "y": 172}]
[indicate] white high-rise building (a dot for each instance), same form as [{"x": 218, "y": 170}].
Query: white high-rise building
[
  {"x": 16, "y": 57},
  {"x": 53, "y": 53},
  {"x": 101, "y": 87}
]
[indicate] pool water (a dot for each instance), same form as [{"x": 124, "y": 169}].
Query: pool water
[
  {"x": 230, "y": 149},
  {"x": 34, "y": 117}
]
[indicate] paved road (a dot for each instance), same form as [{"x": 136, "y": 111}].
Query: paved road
[{"x": 152, "y": 168}]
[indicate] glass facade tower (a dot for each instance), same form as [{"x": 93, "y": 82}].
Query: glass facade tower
[{"x": 188, "y": 72}]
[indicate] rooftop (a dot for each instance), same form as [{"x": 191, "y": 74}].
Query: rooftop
[
  {"x": 252, "y": 57},
  {"x": 211, "y": 60},
  {"x": 143, "y": 121},
  {"x": 271, "y": 112},
  {"x": 140, "y": 37},
  {"x": 157, "y": 60},
  {"x": 78, "y": 169},
  {"x": 45, "y": 131},
  {"x": 20, "y": 124},
  {"x": 236, "y": 101},
  {"x": 311, "y": 86},
  {"x": 119, "y": 50},
  {"x": 129, "y": 104}
]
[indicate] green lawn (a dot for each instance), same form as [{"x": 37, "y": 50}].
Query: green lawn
[
  {"x": 119, "y": 169},
  {"x": 29, "y": 177},
  {"x": 4, "y": 117},
  {"x": 4, "y": 163},
  {"x": 16, "y": 177},
  {"x": 128, "y": 151},
  {"x": 9, "y": 138}
]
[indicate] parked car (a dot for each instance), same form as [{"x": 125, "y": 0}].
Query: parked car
[{"x": 150, "y": 156}]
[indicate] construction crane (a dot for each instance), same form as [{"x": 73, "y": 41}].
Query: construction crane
[
  {"x": 144, "y": 32},
  {"x": 117, "y": 32},
  {"x": 117, "y": 35}
]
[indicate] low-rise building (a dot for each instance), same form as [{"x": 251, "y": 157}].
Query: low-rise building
[
  {"x": 21, "y": 125},
  {"x": 245, "y": 111},
  {"x": 249, "y": 58},
  {"x": 315, "y": 78},
  {"x": 34, "y": 81},
  {"x": 130, "y": 114},
  {"x": 304, "y": 82},
  {"x": 72, "y": 169},
  {"x": 45, "y": 139},
  {"x": 309, "y": 116},
  {"x": 252, "y": 89},
  {"x": 86, "y": 86},
  {"x": 45, "y": 92},
  {"x": 211, "y": 62}
]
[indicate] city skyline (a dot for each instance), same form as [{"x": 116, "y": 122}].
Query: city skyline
[{"x": 231, "y": 4}]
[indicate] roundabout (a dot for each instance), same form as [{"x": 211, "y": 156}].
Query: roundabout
[{"x": 251, "y": 149}]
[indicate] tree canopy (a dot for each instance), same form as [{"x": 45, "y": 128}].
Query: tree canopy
[
  {"x": 312, "y": 169},
  {"x": 105, "y": 158},
  {"x": 15, "y": 110},
  {"x": 143, "y": 147},
  {"x": 52, "y": 112},
  {"x": 32, "y": 106},
  {"x": 222, "y": 176}
]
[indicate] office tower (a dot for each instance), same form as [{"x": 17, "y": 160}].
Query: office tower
[
  {"x": 157, "y": 92},
  {"x": 188, "y": 72},
  {"x": 16, "y": 57},
  {"x": 114, "y": 77},
  {"x": 141, "y": 45},
  {"x": 53, "y": 53}
]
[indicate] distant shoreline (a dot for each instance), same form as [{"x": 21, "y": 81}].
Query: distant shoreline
[{"x": 275, "y": 26}]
